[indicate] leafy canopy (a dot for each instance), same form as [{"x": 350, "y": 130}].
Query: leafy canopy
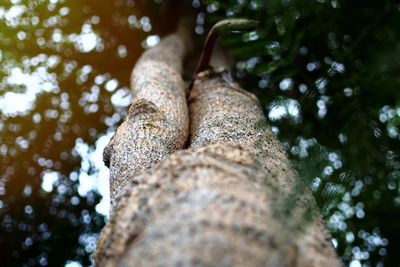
[{"x": 326, "y": 72}]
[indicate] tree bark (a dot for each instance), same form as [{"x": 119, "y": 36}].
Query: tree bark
[
  {"x": 157, "y": 122},
  {"x": 231, "y": 198}
]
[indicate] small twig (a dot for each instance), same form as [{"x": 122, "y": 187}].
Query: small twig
[{"x": 223, "y": 26}]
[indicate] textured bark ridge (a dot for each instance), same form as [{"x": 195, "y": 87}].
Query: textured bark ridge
[
  {"x": 222, "y": 113},
  {"x": 220, "y": 202},
  {"x": 157, "y": 121}
]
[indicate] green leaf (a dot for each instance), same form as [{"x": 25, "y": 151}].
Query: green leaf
[{"x": 269, "y": 67}]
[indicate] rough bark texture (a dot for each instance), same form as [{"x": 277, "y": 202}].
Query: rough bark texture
[
  {"x": 232, "y": 198},
  {"x": 222, "y": 114},
  {"x": 157, "y": 121}
]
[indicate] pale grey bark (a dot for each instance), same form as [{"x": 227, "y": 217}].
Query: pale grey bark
[
  {"x": 218, "y": 203},
  {"x": 157, "y": 121}
]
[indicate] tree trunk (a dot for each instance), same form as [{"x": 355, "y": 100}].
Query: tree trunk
[
  {"x": 231, "y": 198},
  {"x": 157, "y": 122}
]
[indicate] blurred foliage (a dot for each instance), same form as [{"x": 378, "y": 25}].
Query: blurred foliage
[
  {"x": 326, "y": 71},
  {"x": 60, "y": 64},
  {"x": 327, "y": 74}
]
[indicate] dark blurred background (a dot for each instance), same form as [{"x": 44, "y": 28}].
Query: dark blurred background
[{"x": 326, "y": 71}]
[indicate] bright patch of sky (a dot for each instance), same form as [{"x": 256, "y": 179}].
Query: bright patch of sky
[
  {"x": 339, "y": 67},
  {"x": 122, "y": 51},
  {"x": 97, "y": 179},
  {"x": 151, "y": 41},
  {"x": 111, "y": 85},
  {"x": 12, "y": 14},
  {"x": 286, "y": 84},
  {"x": 303, "y": 146},
  {"x": 334, "y": 243},
  {"x": 36, "y": 82},
  {"x": 145, "y": 21},
  {"x": 122, "y": 97},
  {"x": 322, "y": 107},
  {"x": 48, "y": 180},
  {"x": 284, "y": 108},
  {"x": 87, "y": 39},
  {"x": 355, "y": 263},
  {"x": 73, "y": 264}
]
